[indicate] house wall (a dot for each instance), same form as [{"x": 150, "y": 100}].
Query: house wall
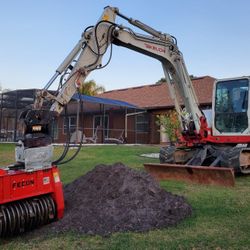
[
  {"x": 87, "y": 125},
  {"x": 154, "y": 134},
  {"x": 117, "y": 127},
  {"x": 151, "y": 135}
]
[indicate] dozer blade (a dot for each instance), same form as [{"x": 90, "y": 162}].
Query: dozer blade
[{"x": 196, "y": 174}]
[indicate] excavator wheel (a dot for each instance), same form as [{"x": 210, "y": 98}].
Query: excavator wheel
[
  {"x": 24, "y": 215},
  {"x": 172, "y": 154},
  {"x": 167, "y": 154}
]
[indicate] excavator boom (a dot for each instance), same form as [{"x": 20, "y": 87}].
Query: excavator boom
[{"x": 196, "y": 136}]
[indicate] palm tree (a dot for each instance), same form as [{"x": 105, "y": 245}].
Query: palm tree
[{"x": 91, "y": 88}]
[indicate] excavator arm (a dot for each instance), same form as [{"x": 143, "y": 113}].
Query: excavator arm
[
  {"x": 87, "y": 56},
  {"x": 164, "y": 49}
]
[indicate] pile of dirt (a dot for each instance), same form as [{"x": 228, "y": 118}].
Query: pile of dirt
[{"x": 117, "y": 198}]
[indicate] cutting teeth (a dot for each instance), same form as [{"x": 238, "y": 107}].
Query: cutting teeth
[{"x": 24, "y": 215}]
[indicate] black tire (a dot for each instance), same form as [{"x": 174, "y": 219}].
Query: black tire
[{"x": 167, "y": 154}]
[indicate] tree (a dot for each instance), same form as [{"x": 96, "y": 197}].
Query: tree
[
  {"x": 91, "y": 88},
  {"x": 2, "y": 90},
  {"x": 170, "y": 124},
  {"x": 163, "y": 79},
  {"x": 192, "y": 77}
]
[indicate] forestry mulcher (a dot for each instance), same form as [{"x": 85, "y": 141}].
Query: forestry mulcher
[{"x": 31, "y": 192}]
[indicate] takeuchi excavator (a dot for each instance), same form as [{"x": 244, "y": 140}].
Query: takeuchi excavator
[{"x": 31, "y": 192}]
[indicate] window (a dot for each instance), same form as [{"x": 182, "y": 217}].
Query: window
[
  {"x": 142, "y": 123},
  {"x": 54, "y": 129},
  {"x": 98, "y": 121},
  {"x": 231, "y": 105},
  {"x": 71, "y": 123}
]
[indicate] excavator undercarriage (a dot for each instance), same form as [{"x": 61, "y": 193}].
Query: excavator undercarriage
[
  {"x": 206, "y": 164},
  {"x": 237, "y": 157}
]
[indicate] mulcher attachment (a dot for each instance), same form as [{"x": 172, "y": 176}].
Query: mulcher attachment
[
  {"x": 29, "y": 199},
  {"x": 24, "y": 215}
]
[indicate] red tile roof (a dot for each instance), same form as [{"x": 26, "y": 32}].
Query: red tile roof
[{"x": 157, "y": 95}]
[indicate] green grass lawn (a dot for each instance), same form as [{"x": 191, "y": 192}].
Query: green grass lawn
[{"x": 221, "y": 218}]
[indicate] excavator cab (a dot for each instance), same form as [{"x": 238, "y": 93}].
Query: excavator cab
[{"x": 230, "y": 107}]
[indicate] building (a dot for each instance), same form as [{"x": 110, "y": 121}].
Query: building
[
  {"x": 122, "y": 115},
  {"x": 11, "y": 105},
  {"x": 155, "y": 99}
]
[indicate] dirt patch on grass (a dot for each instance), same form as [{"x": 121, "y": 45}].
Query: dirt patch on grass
[{"x": 117, "y": 198}]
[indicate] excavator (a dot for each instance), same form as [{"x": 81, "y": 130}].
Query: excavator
[{"x": 31, "y": 193}]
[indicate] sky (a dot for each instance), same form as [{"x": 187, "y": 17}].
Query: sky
[{"x": 36, "y": 36}]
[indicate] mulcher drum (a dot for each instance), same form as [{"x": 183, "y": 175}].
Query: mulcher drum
[{"x": 117, "y": 198}]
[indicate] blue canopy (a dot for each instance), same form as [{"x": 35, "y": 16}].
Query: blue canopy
[{"x": 94, "y": 99}]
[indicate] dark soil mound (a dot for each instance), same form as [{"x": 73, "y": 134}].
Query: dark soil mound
[{"x": 117, "y": 199}]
